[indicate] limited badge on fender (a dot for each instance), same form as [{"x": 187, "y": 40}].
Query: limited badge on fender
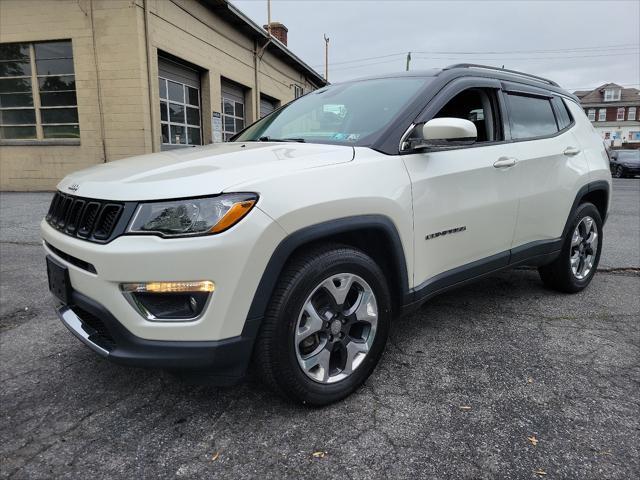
[{"x": 445, "y": 232}]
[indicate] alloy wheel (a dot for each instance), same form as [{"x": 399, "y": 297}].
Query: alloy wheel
[
  {"x": 336, "y": 328},
  {"x": 584, "y": 247}
]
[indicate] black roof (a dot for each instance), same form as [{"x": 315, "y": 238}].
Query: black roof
[{"x": 468, "y": 69}]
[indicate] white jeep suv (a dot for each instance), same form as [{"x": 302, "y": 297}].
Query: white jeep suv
[{"x": 292, "y": 247}]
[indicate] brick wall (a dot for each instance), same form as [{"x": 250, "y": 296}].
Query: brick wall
[{"x": 118, "y": 65}]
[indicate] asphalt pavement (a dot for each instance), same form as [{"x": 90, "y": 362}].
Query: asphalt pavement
[{"x": 501, "y": 379}]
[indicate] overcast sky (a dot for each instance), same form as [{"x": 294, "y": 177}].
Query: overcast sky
[{"x": 579, "y": 44}]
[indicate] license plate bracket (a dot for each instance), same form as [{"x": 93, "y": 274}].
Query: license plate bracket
[{"x": 59, "y": 283}]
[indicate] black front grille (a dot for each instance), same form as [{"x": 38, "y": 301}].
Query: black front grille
[
  {"x": 94, "y": 220},
  {"x": 101, "y": 336}
]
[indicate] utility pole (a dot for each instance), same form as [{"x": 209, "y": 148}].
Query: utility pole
[
  {"x": 269, "y": 17},
  {"x": 408, "y": 60},
  {"x": 326, "y": 57}
]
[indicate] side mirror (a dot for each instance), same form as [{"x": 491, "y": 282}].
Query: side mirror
[{"x": 439, "y": 130}]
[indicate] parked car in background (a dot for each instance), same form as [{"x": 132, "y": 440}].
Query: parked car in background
[
  {"x": 297, "y": 243},
  {"x": 625, "y": 163}
]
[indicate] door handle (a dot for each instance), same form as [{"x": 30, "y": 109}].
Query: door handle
[
  {"x": 505, "y": 162},
  {"x": 571, "y": 151}
]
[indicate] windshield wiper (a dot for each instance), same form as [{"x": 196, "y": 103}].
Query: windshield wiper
[{"x": 269, "y": 139}]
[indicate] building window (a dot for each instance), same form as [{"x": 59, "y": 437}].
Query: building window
[
  {"x": 179, "y": 113},
  {"x": 620, "y": 115},
  {"x": 602, "y": 114},
  {"x": 612, "y": 95},
  {"x": 232, "y": 117},
  {"x": 592, "y": 114},
  {"x": 632, "y": 113},
  {"x": 298, "y": 91},
  {"x": 38, "y": 91}
]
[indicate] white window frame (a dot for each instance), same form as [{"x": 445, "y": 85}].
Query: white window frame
[
  {"x": 631, "y": 115},
  {"x": 612, "y": 95},
  {"x": 226, "y": 133},
  {"x": 620, "y": 114},
  {"x": 185, "y": 105},
  {"x": 591, "y": 114},
  {"x": 298, "y": 91},
  {"x": 602, "y": 115}
]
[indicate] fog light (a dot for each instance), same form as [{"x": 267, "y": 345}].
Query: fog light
[{"x": 167, "y": 301}]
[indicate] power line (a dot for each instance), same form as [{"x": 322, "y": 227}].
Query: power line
[
  {"x": 597, "y": 49},
  {"x": 593, "y": 88},
  {"x": 494, "y": 59}
]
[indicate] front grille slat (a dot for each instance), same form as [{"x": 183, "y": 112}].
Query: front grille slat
[
  {"x": 74, "y": 216},
  {"x": 93, "y": 220},
  {"x": 88, "y": 218},
  {"x": 107, "y": 221}
]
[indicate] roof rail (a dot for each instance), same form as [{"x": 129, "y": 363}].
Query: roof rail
[{"x": 513, "y": 72}]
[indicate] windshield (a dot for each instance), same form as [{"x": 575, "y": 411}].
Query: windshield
[
  {"x": 629, "y": 156},
  {"x": 346, "y": 114}
]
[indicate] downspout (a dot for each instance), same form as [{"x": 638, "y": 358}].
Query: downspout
[
  {"x": 257, "y": 57},
  {"x": 99, "y": 87},
  {"x": 152, "y": 109}
]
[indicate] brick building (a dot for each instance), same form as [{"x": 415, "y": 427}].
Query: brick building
[
  {"x": 614, "y": 112},
  {"x": 88, "y": 81}
]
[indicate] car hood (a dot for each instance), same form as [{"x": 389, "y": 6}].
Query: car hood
[{"x": 191, "y": 172}]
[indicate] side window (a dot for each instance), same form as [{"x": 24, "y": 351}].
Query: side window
[
  {"x": 531, "y": 117},
  {"x": 562, "y": 113},
  {"x": 480, "y": 106}
]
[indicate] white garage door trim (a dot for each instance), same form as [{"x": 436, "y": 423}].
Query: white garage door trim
[{"x": 180, "y": 105}]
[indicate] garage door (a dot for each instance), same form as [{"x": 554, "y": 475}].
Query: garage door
[
  {"x": 266, "y": 106},
  {"x": 232, "y": 109},
  {"x": 180, "y": 119}
]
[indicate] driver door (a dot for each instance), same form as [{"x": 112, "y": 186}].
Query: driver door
[{"x": 465, "y": 198}]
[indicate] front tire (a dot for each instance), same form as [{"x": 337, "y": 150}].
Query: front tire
[
  {"x": 326, "y": 325},
  {"x": 573, "y": 270}
]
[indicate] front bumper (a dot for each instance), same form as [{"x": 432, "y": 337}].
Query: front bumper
[
  {"x": 234, "y": 260},
  {"x": 224, "y": 362}
]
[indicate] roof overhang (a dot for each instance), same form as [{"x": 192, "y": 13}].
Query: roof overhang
[{"x": 244, "y": 24}]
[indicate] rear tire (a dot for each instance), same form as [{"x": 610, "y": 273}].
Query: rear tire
[
  {"x": 618, "y": 172},
  {"x": 573, "y": 270},
  {"x": 314, "y": 346}
]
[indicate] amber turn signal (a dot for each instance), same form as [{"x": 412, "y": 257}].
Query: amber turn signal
[
  {"x": 233, "y": 216},
  {"x": 169, "y": 287}
]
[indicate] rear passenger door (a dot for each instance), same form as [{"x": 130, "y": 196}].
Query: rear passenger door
[{"x": 549, "y": 164}]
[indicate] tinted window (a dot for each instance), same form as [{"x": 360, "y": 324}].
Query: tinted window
[
  {"x": 531, "y": 117},
  {"x": 563, "y": 116},
  {"x": 479, "y": 106}
]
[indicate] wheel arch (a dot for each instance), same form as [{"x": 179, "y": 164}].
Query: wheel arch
[
  {"x": 376, "y": 235},
  {"x": 598, "y": 193}
]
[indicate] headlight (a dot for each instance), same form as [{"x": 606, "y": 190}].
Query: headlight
[{"x": 192, "y": 216}]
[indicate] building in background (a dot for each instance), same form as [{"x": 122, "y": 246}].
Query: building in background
[
  {"x": 88, "y": 81},
  {"x": 614, "y": 112}
]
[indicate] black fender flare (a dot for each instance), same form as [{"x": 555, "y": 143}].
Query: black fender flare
[
  {"x": 313, "y": 233},
  {"x": 598, "y": 185}
]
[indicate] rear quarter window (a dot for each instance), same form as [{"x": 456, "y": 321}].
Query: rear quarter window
[
  {"x": 531, "y": 117},
  {"x": 562, "y": 113}
]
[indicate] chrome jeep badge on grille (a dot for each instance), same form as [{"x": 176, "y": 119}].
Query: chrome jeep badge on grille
[{"x": 74, "y": 187}]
